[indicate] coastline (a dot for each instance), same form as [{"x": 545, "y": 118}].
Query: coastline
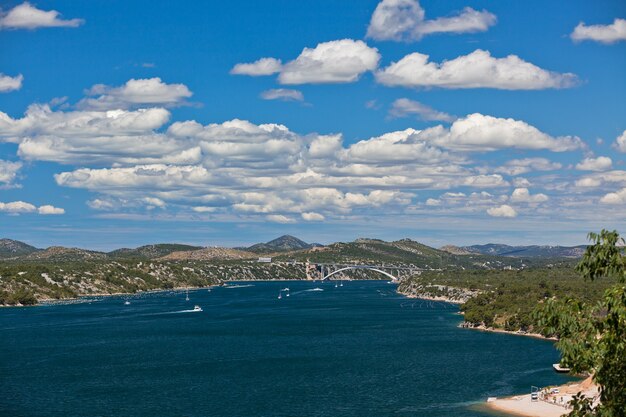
[{"x": 554, "y": 405}]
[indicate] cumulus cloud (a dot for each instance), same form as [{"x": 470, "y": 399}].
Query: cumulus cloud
[
  {"x": 502, "y": 211},
  {"x": 522, "y": 195},
  {"x": 339, "y": 61},
  {"x": 313, "y": 217},
  {"x": 263, "y": 66},
  {"x": 476, "y": 70},
  {"x": 404, "y": 20},
  {"x": 612, "y": 33},
  {"x": 8, "y": 83},
  {"x": 403, "y": 107},
  {"x": 620, "y": 142},
  {"x": 618, "y": 197},
  {"x": 26, "y": 16},
  {"x": 279, "y": 218},
  {"x": 20, "y": 207},
  {"x": 601, "y": 163},
  {"x": 135, "y": 93},
  {"x": 522, "y": 166},
  {"x": 283, "y": 94},
  {"x": 50, "y": 210},
  {"x": 8, "y": 172},
  {"x": 480, "y": 132}
]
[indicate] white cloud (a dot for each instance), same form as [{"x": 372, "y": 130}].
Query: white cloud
[
  {"x": 522, "y": 166},
  {"x": 588, "y": 182},
  {"x": 19, "y": 207},
  {"x": 620, "y": 142},
  {"x": 601, "y": 163},
  {"x": 618, "y": 197},
  {"x": 612, "y": 33},
  {"x": 279, "y": 218},
  {"x": 476, "y": 70},
  {"x": 134, "y": 93},
  {"x": 50, "y": 210},
  {"x": 405, "y": 20},
  {"x": 263, "y": 66},
  {"x": 502, "y": 211},
  {"x": 481, "y": 132},
  {"x": 8, "y": 172},
  {"x": 522, "y": 195},
  {"x": 8, "y": 83},
  {"x": 520, "y": 182},
  {"x": 283, "y": 94},
  {"x": 403, "y": 107},
  {"x": 204, "y": 209},
  {"x": 25, "y": 16},
  {"x": 340, "y": 61},
  {"x": 313, "y": 217}
]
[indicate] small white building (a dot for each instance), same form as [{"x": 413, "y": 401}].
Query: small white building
[{"x": 265, "y": 260}]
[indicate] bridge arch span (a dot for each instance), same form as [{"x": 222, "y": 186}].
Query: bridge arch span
[{"x": 394, "y": 279}]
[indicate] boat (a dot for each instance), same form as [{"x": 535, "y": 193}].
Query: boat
[
  {"x": 126, "y": 303},
  {"x": 187, "y": 297},
  {"x": 561, "y": 369},
  {"x": 197, "y": 308}
]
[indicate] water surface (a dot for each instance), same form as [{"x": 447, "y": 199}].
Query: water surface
[{"x": 357, "y": 350}]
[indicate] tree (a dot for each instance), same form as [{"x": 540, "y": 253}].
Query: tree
[{"x": 592, "y": 338}]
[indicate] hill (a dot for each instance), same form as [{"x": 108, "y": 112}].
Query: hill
[
  {"x": 59, "y": 253},
  {"x": 404, "y": 252},
  {"x": 12, "y": 248},
  {"x": 532, "y": 251},
  {"x": 282, "y": 244},
  {"x": 151, "y": 251},
  {"x": 209, "y": 254}
]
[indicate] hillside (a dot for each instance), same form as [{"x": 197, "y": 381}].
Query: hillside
[
  {"x": 532, "y": 251},
  {"x": 209, "y": 254},
  {"x": 404, "y": 252},
  {"x": 151, "y": 251},
  {"x": 11, "y": 248},
  {"x": 59, "y": 253}
]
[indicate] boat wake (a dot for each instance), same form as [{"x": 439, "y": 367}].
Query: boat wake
[{"x": 239, "y": 286}]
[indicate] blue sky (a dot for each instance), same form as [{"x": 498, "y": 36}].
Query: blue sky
[{"x": 126, "y": 123}]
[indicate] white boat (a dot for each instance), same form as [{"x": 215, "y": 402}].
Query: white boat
[
  {"x": 126, "y": 303},
  {"x": 561, "y": 369},
  {"x": 197, "y": 308},
  {"x": 187, "y": 297}
]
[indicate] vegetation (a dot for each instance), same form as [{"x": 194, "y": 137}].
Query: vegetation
[
  {"x": 592, "y": 336},
  {"x": 506, "y": 299}
]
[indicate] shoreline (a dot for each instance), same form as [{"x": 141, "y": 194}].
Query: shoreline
[{"x": 554, "y": 405}]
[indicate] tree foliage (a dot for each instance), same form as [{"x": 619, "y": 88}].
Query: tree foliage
[{"x": 592, "y": 337}]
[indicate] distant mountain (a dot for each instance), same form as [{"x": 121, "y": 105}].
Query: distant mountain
[
  {"x": 12, "y": 248},
  {"x": 532, "y": 251},
  {"x": 151, "y": 251},
  {"x": 282, "y": 244}
]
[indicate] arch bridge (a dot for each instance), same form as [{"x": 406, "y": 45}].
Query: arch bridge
[{"x": 371, "y": 268}]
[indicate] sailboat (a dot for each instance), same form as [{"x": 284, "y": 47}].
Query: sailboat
[{"x": 187, "y": 297}]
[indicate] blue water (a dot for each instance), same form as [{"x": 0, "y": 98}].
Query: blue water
[{"x": 357, "y": 350}]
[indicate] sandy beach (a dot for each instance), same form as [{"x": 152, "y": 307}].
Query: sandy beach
[{"x": 550, "y": 406}]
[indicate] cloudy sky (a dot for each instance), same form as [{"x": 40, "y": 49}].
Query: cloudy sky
[{"x": 226, "y": 123}]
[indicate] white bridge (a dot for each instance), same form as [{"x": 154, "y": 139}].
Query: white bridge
[
  {"x": 371, "y": 268},
  {"x": 326, "y": 275}
]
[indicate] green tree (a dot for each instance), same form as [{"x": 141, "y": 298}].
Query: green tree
[{"x": 592, "y": 338}]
